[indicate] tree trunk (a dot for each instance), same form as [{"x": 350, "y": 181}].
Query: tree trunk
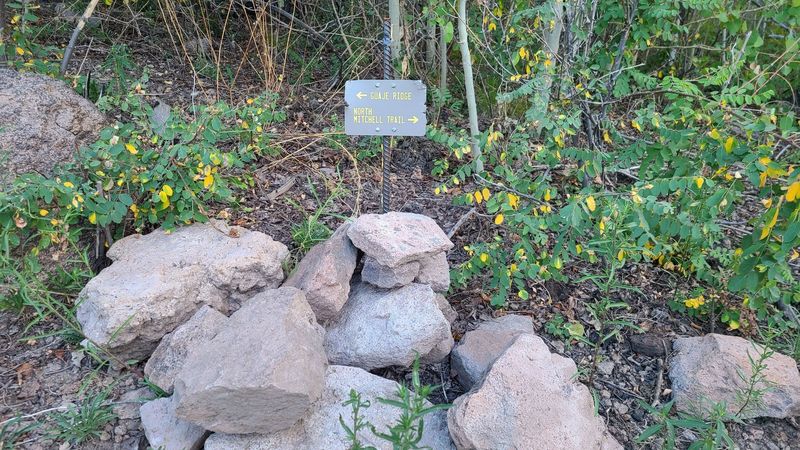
[
  {"x": 394, "y": 20},
  {"x": 552, "y": 40},
  {"x": 466, "y": 61},
  {"x": 442, "y": 61},
  {"x": 87, "y": 13},
  {"x": 430, "y": 40}
]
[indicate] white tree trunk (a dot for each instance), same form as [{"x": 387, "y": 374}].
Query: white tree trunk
[
  {"x": 466, "y": 61},
  {"x": 430, "y": 39}
]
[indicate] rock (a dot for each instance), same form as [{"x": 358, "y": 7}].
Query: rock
[
  {"x": 324, "y": 274},
  {"x": 168, "y": 358},
  {"x": 159, "y": 280},
  {"x": 529, "y": 399},
  {"x": 396, "y": 238},
  {"x": 606, "y": 367},
  {"x": 381, "y": 328},
  {"x": 43, "y": 123},
  {"x": 320, "y": 428},
  {"x": 709, "y": 369},
  {"x": 127, "y": 407},
  {"x": 435, "y": 271},
  {"x": 387, "y": 277},
  {"x": 447, "y": 310},
  {"x": 478, "y": 349},
  {"x": 165, "y": 431},
  {"x": 261, "y": 372}
]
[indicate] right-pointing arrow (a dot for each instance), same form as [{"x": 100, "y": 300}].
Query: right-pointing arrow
[{"x": 413, "y": 119}]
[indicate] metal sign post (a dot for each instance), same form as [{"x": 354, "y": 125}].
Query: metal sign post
[{"x": 385, "y": 108}]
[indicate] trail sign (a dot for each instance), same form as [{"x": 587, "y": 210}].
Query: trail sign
[{"x": 385, "y": 108}]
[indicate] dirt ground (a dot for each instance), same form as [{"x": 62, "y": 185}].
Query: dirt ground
[{"x": 37, "y": 376}]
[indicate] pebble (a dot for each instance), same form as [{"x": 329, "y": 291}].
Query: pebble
[
  {"x": 621, "y": 408},
  {"x": 606, "y": 367},
  {"x": 104, "y": 436},
  {"x": 605, "y": 393}
]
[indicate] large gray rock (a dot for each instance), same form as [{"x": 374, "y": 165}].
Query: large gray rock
[
  {"x": 435, "y": 271},
  {"x": 159, "y": 280},
  {"x": 381, "y": 328},
  {"x": 165, "y": 431},
  {"x": 127, "y": 407},
  {"x": 716, "y": 368},
  {"x": 396, "y": 238},
  {"x": 529, "y": 399},
  {"x": 478, "y": 349},
  {"x": 324, "y": 274},
  {"x": 320, "y": 428},
  {"x": 261, "y": 372},
  {"x": 168, "y": 358},
  {"x": 43, "y": 122},
  {"x": 387, "y": 277}
]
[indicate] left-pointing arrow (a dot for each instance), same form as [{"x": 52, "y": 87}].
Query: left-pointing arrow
[
  {"x": 413, "y": 119},
  {"x": 361, "y": 95}
]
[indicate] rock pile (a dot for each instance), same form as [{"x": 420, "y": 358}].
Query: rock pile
[{"x": 268, "y": 367}]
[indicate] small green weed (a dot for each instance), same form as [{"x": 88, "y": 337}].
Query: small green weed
[{"x": 85, "y": 421}]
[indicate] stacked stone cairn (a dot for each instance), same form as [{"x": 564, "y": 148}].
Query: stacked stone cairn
[{"x": 251, "y": 361}]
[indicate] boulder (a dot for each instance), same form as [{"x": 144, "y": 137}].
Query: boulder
[
  {"x": 529, "y": 399},
  {"x": 478, "y": 349},
  {"x": 261, "y": 372},
  {"x": 324, "y": 274},
  {"x": 435, "y": 271},
  {"x": 158, "y": 281},
  {"x": 165, "y": 431},
  {"x": 381, "y": 328},
  {"x": 387, "y": 277},
  {"x": 43, "y": 122},
  {"x": 168, "y": 358},
  {"x": 320, "y": 428},
  {"x": 397, "y": 238},
  {"x": 716, "y": 368}
]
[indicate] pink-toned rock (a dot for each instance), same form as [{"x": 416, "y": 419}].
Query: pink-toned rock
[
  {"x": 435, "y": 272},
  {"x": 396, "y": 238},
  {"x": 324, "y": 274},
  {"x": 168, "y": 358},
  {"x": 387, "y": 277},
  {"x": 529, "y": 400},
  {"x": 478, "y": 349},
  {"x": 716, "y": 368}
]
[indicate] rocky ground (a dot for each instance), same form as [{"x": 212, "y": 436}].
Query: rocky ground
[{"x": 42, "y": 369}]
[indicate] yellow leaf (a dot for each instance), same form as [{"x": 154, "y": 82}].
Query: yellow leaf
[
  {"x": 729, "y": 144},
  {"x": 486, "y": 194},
  {"x": 168, "y": 189},
  {"x": 578, "y": 249},
  {"x": 478, "y": 197},
  {"x": 20, "y": 51},
  {"x": 492, "y": 26},
  {"x": 699, "y": 182},
  {"x": 590, "y": 203},
  {"x": 793, "y": 193},
  {"x": 714, "y": 134},
  {"x": 547, "y": 195},
  {"x": 621, "y": 255},
  {"x": 208, "y": 181},
  {"x": 68, "y": 184},
  {"x": 499, "y": 219},
  {"x": 636, "y": 125},
  {"x": 484, "y": 257},
  {"x": 606, "y": 137},
  {"x": 250, "y": 101},
  {"x": 602, "y": 226},
  {"x": 131, "y": 149},
  {"x": 93, "y": 218},
  {"x": 43, "y": 212},
  {"x": 733, "y": 325}
]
